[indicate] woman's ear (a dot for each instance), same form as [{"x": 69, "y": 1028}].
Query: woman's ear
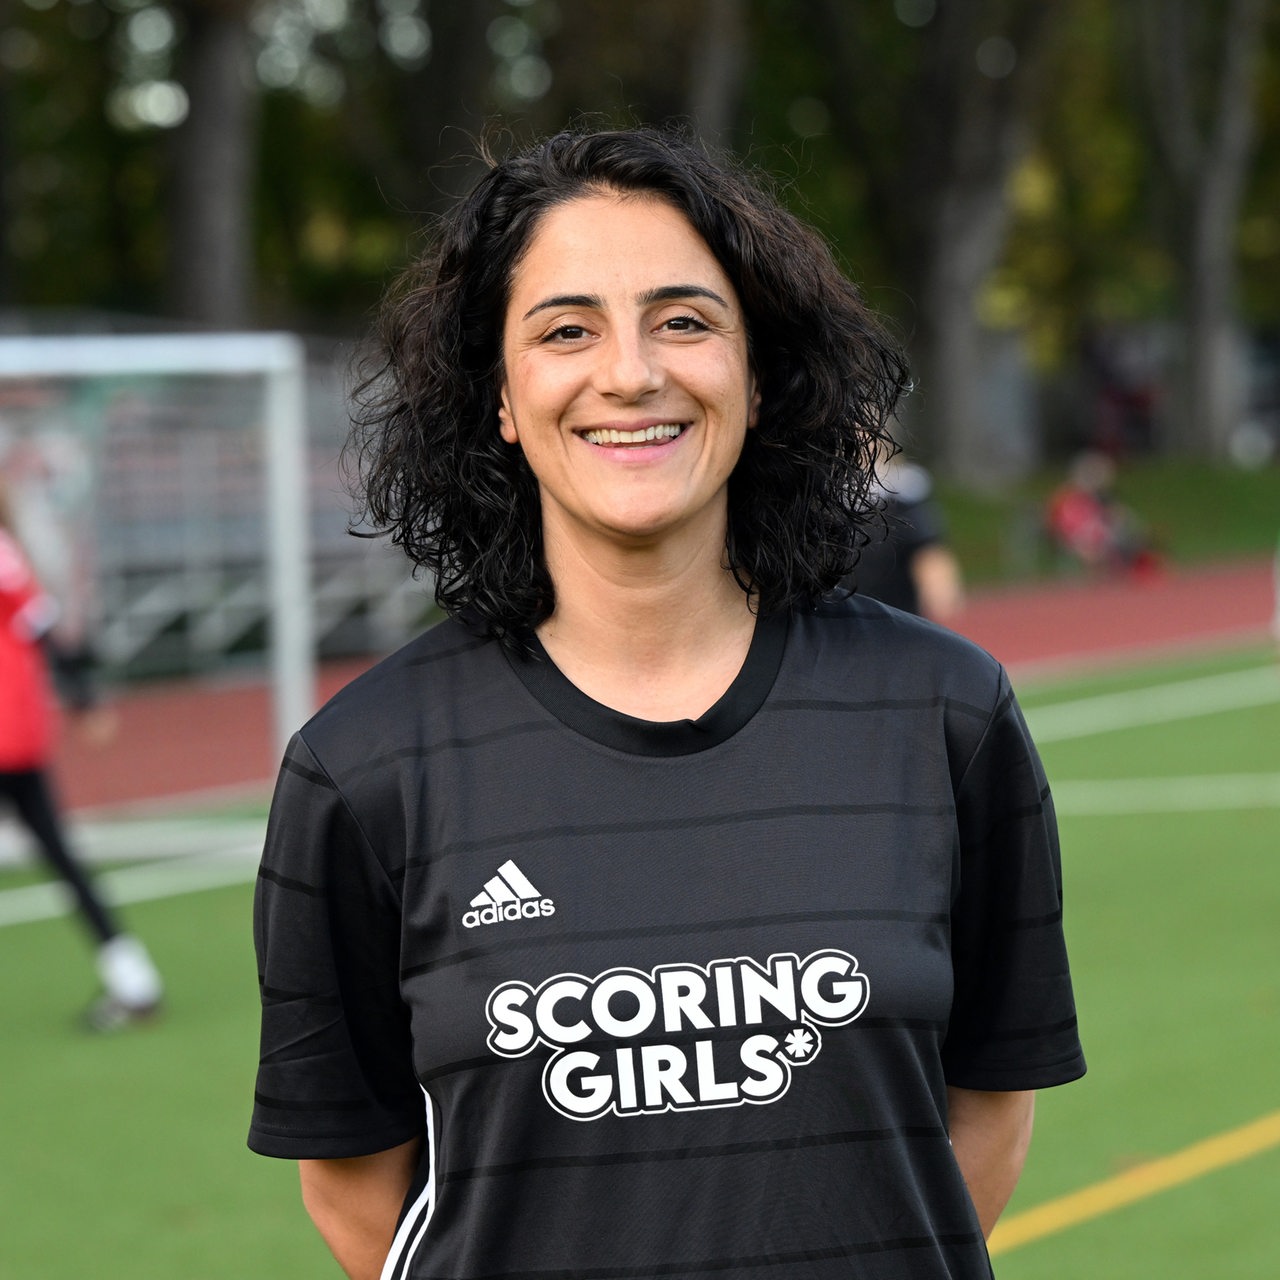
[
  {"x": 753, "y": 408},
  {"x": 506, "y": 420}
]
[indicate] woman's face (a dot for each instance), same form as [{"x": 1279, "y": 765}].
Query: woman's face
[{"x": 626, "y": 377}]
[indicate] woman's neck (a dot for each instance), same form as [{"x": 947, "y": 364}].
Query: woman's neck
[{"x": 659, "y": 639}]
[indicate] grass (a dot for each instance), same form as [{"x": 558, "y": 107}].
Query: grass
[
  {"x": 1171, "y": 923},
  {"x": 1194, "y": 512},
  {"x": 125, "y": 1156},
  {"x": 138, "y": 1139}
]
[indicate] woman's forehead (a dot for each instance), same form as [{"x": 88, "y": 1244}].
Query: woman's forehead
[{"x": 615, "y": 241}]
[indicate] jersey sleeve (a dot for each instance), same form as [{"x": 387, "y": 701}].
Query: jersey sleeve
[
  {"x": 920, "y": 525},
  {"x": 335, "y": 1074},
  {"x": 1013, "y": 1020}
]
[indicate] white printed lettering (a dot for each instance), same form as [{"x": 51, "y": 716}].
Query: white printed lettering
[{"x": 772, "y": 1013}]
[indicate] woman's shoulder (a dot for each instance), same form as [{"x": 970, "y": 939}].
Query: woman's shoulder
[
  {"x": 395, "y": 697},
  {"x": 888, "y": 649}
]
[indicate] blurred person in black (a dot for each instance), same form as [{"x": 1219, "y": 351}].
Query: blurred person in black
[{"x": 907, "y": 563}]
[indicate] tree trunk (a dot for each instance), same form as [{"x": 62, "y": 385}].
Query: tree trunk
[
  {"x": 8, "y": 288},
  {"x": 938, "y": 153},
  {"x": 961, "y": 247},
  {"x": 442, "y": 104},
  {"x": 1202, "y": 64},
  {"x": 947, "y": 418},
  {"x": 1215, "y": 402},
  {"x": 210, "y": 272},
  {"x": 716, "y": 71}
]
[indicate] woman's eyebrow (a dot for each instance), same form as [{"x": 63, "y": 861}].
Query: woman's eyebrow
[
  {"x": 565, "y": 300},
  {"x": 664, "y": 293},
  {"x": 674, "y": 292}
]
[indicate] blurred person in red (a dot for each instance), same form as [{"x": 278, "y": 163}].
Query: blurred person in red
[
  {"x": 132, "y": 985},
  {"x": 1084, "y": 519}
]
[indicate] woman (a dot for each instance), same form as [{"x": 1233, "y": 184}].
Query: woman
[
  {"x": 652, "y": 915},
  {"x": 132, "y": 985}
]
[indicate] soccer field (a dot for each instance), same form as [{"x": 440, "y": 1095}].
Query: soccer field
[{"x": 125, "y": 1156}]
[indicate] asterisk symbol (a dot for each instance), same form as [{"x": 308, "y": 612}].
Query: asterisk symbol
[{"x": 799, "y": 1044}]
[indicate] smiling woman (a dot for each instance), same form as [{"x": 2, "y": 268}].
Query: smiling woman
[
  {"x": 657, "y": 847},
  {"x": 467, "y": 507},
  {"x": 630, "y": 397}
]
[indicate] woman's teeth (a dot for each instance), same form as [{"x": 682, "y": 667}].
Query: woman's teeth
[{"x": 666, "y": 431}]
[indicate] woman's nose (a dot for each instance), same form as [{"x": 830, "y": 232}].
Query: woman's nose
[{"x": 628, "y": 368}]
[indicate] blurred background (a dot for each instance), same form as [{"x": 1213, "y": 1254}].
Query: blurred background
[
  {"x": 1072, "y": 210},
  {"x": 1068, "y": 210}
]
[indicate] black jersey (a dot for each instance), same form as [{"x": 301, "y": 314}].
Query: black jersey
[{"x": 665, "y": 999}]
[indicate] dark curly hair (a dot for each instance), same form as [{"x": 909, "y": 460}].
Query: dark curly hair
[{"x": 435, "y": 474}]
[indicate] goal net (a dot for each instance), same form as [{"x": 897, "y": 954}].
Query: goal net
[{"x": 181, "y": 497}]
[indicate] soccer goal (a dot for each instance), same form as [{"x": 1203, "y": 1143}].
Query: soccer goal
[{"x": 161, "y": 485}]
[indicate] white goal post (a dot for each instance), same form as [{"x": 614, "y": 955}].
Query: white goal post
[{"x": 279, "y": 360}]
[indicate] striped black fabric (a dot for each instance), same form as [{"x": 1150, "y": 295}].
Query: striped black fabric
[{"x": 683, "y": 999}]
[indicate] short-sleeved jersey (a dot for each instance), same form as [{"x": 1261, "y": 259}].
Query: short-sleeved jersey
[{"x": 665, "y": 999}]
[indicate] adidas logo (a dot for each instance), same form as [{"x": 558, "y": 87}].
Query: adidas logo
[{"x": 507, "y": 896}]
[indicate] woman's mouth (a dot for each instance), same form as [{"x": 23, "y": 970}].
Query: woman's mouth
[{"x": 642, "y": 435}]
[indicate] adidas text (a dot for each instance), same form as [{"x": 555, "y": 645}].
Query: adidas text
[
  {"x": 493, "y": 914},
  {"x": 507, "y": 895}
]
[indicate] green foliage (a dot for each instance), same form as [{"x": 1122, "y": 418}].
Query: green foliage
[
  {"x": 85, "y": 207},
  {"x": 1259, "y": 240},
  {"x": 355, "y": 142},
  {"x": 329, "y": 236},
  {"x": 1082, "y": 246},
  {"x": 791, "y": 99}
]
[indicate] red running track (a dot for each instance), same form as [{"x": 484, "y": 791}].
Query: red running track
[{"x": 180, "y": 739}]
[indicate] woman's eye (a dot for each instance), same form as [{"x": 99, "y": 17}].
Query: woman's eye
[
  {"x": 566, "y": 333},
  {"x": 684, "y": 324}
]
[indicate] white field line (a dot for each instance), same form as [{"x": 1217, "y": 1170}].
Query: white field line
[
  {"x": 136, "y": 839},
  {"x": 1209, "y": 792},
  {"x": 1160, "y": 704},
  {"x": 143, "y": 883}
]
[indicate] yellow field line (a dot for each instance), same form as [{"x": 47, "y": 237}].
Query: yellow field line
[{"x": 1137, "y": 1183}]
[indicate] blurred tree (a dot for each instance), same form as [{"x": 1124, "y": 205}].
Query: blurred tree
[
  {"x": 7, "y": 156},
  {"x": 662, "y": 62},
  {"x": 416, "y": 101},
  {"x": 935, "y": 101},
  {"x": 1260, "y": 216},
  {"x": 368, "y": 126},
  {"x": 83, "y": 219},
  {"x": 717, "y": 68},
  {"x": 1082, "y": 277},
  {"x": 978, "y": 162},
  {"x": 211, "y": 164},
  {"x": 1201, "y": 62}
]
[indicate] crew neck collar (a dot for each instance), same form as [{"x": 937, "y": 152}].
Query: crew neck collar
[{"x": 592, "y": 719}]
